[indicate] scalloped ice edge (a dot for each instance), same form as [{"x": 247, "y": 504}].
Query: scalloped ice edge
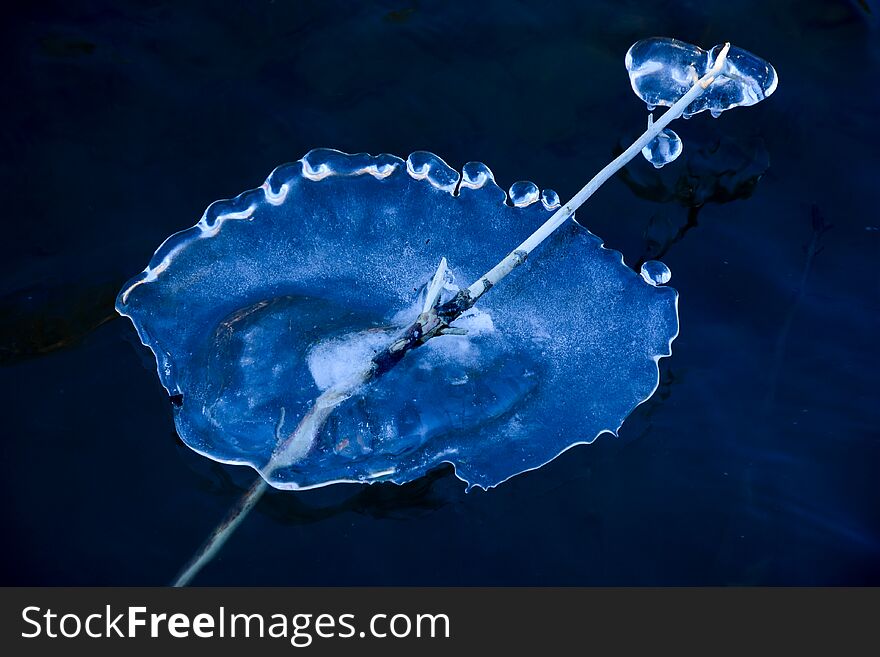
[
  {"x": 420, "y": 165},
  {"x": 613, "y": 432},
  {"x": 321, "y": 163}
]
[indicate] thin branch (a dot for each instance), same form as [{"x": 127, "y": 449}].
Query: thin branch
[
  {"x": 520, "y": 253},
  {"x": 434, "y": 320}
]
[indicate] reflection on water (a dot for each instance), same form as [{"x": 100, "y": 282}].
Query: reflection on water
[{"x": 40, "y": 319}]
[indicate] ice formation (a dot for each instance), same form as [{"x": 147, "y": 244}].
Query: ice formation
[
  {"x": 289, "y": 288},
  {"x": 656, "y": 273},
  {"x": 661, "y": 70}
]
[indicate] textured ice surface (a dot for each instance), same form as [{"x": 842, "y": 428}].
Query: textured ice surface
[
  {"x": 664, "y": 148},
  {"x": 661, "y": 70},
  {"x": 289, "y": 288}
]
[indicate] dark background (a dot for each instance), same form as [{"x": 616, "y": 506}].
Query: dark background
[{"x": 754, "y": 463}]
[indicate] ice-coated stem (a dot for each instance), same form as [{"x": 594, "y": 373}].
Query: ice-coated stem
[
  {"x": 434, "y": 320},
  {"x": 222, "y": 532},
  {"x": 520, "y": 253},
  {"x": 288, "y": 450}
]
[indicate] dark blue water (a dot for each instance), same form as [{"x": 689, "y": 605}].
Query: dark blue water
[{"x": 755, "y": 462}]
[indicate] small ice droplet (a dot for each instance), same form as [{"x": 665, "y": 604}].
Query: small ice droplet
[
  {"x": 715, "y": 113},
  {"x": 664, "y": 148},
  {"x": 651, "y": 107},
  {"x": 655, "y": 273}
]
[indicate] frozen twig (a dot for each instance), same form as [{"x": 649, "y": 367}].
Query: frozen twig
[{"x": 434, "y": 320}]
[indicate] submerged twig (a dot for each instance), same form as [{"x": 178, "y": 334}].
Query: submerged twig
[{"x": 222, "y": 532}]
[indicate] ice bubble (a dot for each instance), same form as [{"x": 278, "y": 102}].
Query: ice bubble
[{"x": 656, "y": 273}]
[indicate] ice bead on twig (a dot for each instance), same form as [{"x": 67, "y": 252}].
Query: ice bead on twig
[
  {"x": 661, "y": 70},
  {"x": 664, "y": 148}
]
